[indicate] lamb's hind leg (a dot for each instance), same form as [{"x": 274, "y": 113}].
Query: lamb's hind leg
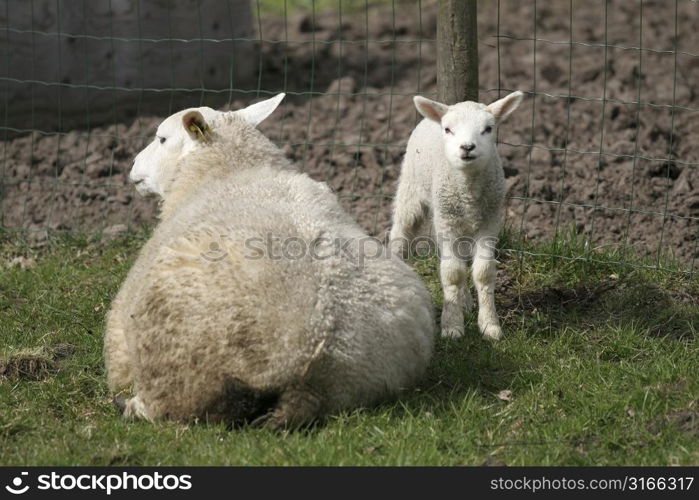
[
  {"x": 484, "y": 272},
  {"x": 408, "y": 215}
]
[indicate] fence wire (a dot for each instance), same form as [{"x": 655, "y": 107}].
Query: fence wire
[
  {"x": 628, "y": 189},
  {"x": 603, "y": 147}
]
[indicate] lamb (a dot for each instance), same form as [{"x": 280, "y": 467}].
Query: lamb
[
  {"x": 214, "y": 323},
  {"x": 453, "y": 174}
]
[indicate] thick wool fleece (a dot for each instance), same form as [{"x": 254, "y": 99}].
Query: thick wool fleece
[
  {"x": 468, "y": 200},
  {"x": 209, "y": 325}
]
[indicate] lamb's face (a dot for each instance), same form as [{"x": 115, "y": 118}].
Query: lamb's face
[
  {"x": 468, "y": 131},
  {"x": 468, "y": 128},
  {"x": 179, "y": 135}
]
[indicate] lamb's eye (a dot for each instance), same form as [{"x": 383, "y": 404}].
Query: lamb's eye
[
  {"x": 448, "y": 130},
  {"x": 487, "y": 129},
  {"x": 162, "y": 140}
]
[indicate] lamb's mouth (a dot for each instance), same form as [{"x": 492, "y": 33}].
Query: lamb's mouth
[{"x": 468, "y": 158}]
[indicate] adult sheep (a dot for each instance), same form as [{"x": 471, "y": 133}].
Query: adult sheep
[{"x": 257, "y": 298}]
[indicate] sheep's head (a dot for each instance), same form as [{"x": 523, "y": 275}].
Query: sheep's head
[
  {"x": 180, "y": 134},
  {"x": 469, "y": 128}
]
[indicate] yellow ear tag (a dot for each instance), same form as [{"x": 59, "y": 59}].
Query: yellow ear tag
[{"x": 201, "y": 134}]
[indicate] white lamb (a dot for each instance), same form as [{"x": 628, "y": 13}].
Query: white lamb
[
  {"x": 452, "y": 172},
  {"x": 214, "y": 323}
]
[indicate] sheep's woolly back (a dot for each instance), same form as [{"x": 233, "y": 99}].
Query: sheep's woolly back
[{"x": 212, "y": 310}]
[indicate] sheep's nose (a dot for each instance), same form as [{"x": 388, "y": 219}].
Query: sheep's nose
[{"x": 469, "y": 146}]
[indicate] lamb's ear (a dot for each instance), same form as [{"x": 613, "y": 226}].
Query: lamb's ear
[
  {"x": 196, "y": 126},
  {"x": 503, "y": 107},
  {"x": 430, "y": 109},
  {"x": 255, "y": 113}
]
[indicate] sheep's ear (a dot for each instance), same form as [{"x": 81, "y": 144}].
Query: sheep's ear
[
  {"x": 196, "y": 126},
  {"x": 430, "y": 109},
  {"x": 255, "y": 113},
  {"x": 503, "y": 107}
]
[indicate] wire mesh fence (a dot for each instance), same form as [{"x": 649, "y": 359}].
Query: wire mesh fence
[
  {"x": 603, "y": 147},
  {"x": 611, "y": 83}
]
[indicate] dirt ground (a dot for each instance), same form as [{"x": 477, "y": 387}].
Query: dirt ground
[{"x": 597, "y": 162}]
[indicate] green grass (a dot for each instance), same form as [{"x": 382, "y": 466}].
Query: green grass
[{"x": 600, "y": 361}]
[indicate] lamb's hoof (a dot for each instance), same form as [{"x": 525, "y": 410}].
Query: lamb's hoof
[
  {"x": 452, "y": 332},
  {"x": 492, "y": 332}
]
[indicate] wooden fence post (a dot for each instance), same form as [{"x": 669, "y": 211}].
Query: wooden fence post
[{"x": 457, "y": 51}]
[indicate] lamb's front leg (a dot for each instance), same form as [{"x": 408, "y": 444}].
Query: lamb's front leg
[
  {"x": 484, "y": 272},
  {"x": 453, "y": 273}
]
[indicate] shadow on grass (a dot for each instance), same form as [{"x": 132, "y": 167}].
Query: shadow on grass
[
  {"x": 459, "y": 368},
  {"x": 555, "y": 285},
  {"x": 542, "y": 295},
  {"x": 635, "y": 299}
]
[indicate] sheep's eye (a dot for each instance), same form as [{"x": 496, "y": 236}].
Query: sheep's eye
[
  {"x": 448, "y": 130},
  {"x": 488, "y": 129},
  {"x": 162, "y": 140}
]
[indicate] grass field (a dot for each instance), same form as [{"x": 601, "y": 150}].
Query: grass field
[{"x": 598, "y": 367}]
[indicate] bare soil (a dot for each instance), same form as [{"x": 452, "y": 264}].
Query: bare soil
[{"x": 597, "y": 162}]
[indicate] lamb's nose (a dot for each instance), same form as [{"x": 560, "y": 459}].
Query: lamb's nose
[{"x": 469, "y": 146}]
